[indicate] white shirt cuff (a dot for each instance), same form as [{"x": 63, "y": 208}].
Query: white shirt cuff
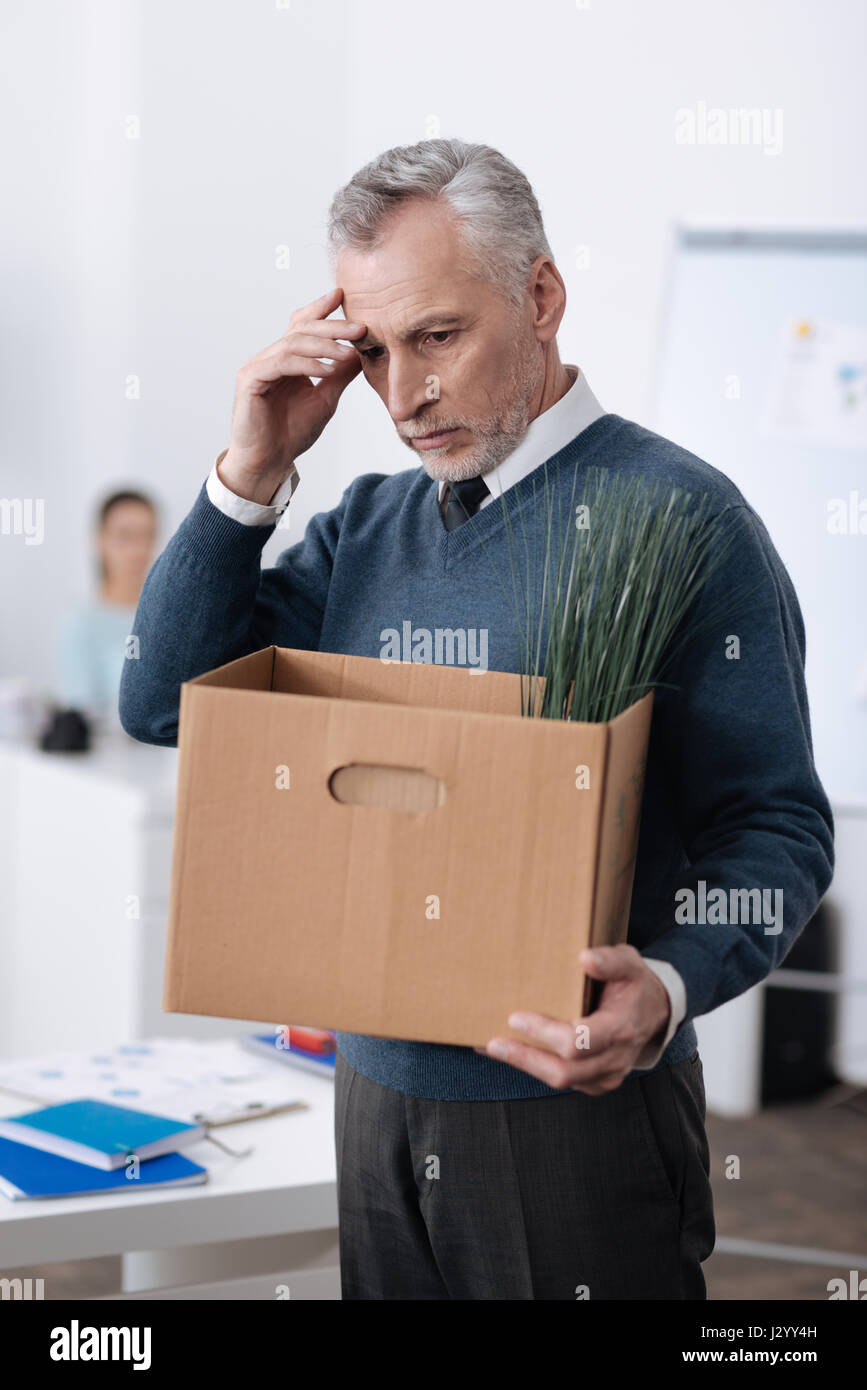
[
  {"x": 676, "y": 991},
  {"x": 240, "y": 509}
]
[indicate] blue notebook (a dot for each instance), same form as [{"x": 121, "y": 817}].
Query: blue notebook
[
  {"x": 27, "y": 1173},
  {"x": 321, "y": 1063},
  {"x": 99, "y": 1133}
]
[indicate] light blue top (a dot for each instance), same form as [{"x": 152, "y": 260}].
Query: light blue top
[{"x": 92, "y": 643}]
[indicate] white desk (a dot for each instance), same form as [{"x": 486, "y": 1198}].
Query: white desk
[
  {"x": 260, "y": 1221},
  {"x": 85, "y": 861}
]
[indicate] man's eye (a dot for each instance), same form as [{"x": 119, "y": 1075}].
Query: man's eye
[{"x": 371, "y": 354}]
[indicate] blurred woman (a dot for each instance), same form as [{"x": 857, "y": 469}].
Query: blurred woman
[{"x": 93, "y": 638}]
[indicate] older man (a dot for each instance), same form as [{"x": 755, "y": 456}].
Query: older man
[{"x": 558, "y": 1175}]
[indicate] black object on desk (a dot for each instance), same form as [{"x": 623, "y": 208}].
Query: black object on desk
[{"x": 68, "y": 732}]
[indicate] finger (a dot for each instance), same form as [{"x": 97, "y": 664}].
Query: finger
[
  {"x": 335, "y": 383},
  {"x": 556, "y": 1033},
  {"x": 310, "y": 344},
  {"x": 594, "y": 1032},
  {"x": 556, "y": 1071},
  {"x": 285, "y": 363},
  {"x": 328, "y": 328},
  {"x": 318, "y": 308},
  {"x": 590, "y": 1034},
  {"x": 611, "y": 962},
  {"x": 545, "y": 1066},
  {"x": 277, "y": 368},
  {"x": 307, "y": 344},
  {"x": 318, "y": 340},
  {"x": 615, "y": 1061}
]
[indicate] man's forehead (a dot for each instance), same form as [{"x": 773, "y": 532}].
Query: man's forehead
[
  {"x": 399, "y": 287},
  {"x": 408, "y": 306},
  {"x": 417, "y": 268}
]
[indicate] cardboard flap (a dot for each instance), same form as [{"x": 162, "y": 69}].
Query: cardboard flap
[
  {"x": 340, "y": 677},
  {"x": 628, "y": 736},
  {"x": 247, "y": 673}
]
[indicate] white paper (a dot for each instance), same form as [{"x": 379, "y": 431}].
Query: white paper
[
  {"x": 818, "y": 392},
  {"x": 176, "y": 1077}
]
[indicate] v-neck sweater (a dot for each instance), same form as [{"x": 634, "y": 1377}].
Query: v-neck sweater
[{"x": 732, "y": 800}]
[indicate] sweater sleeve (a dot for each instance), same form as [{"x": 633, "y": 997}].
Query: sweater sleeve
[
  {"x": 207, "y": 601},
  {"x": 751, "y": 811}
]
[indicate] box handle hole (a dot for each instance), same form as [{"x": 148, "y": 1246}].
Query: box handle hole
[{"x": 389, "y": 788}]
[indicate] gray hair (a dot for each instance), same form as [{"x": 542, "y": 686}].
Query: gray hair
[{"x": 500, "y": 222}]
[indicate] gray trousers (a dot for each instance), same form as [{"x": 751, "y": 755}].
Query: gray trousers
[{"x": 565, "y": 1197}]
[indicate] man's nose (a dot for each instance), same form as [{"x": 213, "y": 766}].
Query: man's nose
[{"x": 407, "y": 390}]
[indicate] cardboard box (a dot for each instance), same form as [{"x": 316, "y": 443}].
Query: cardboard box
[{"x": 391, "y": 848}]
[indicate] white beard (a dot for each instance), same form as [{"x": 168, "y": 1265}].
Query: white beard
[{"x": 496, "y": 437}]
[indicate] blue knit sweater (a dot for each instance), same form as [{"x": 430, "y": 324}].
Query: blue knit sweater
[{"x": 732, "y": 800}]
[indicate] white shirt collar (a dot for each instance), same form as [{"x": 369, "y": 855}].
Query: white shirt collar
[{"x": 545, "y": 435}]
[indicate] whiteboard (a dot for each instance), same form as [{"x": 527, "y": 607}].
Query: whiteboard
[{"x": 762, "y": 372}]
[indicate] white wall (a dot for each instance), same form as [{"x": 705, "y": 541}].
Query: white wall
[
  {"x": 584, "y": 101},
  {"x": 155, "y": 257},
  {"x": 40, "y": 129},
  {"x": 152, "y": 257}
]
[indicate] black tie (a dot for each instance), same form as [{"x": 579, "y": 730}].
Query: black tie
[{"x": 462, "y": 501}]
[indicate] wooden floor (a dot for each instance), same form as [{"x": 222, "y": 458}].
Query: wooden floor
[{"x": 802, "y": 1184}]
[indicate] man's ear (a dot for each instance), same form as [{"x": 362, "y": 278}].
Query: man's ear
[{"x": 548, "y": 291}]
